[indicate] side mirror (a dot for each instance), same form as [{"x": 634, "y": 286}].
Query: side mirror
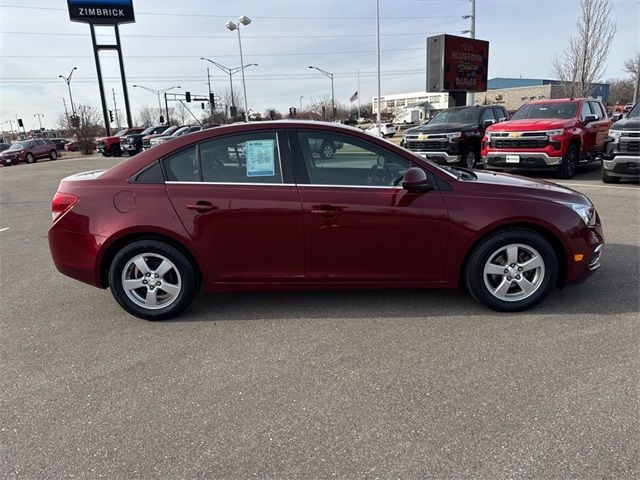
[
  {"x": 415, "y": 180},
  {"x": 590, "y": 118},
  {"x": 502, "y": 119},
  {"x": 488, "y": 122}
]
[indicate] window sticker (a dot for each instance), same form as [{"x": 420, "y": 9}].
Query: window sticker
[{"x": 261, "y": 160}]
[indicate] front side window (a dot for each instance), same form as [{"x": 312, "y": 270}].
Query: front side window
[
  {"x": 586, "y": 110},
  {"x": 245, "y": 158},
  {"x": 487, "y": 115},
  {"x": 335, "y": 159}
]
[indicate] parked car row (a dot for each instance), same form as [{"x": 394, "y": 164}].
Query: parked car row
[{"x": 544, "y": 135}]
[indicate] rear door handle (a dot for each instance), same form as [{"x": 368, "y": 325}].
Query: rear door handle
[
  {"x": 202, "y": 207},
  {"x": 326, "y": 211}
]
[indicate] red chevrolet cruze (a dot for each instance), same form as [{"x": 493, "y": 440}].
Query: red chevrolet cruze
[{"x": 254, "y": 207}]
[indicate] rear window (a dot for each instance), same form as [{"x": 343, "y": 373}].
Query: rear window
[{"x": 564, "y": 110}]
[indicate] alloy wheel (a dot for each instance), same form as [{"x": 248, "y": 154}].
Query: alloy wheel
[
  {"x": 514, "y": 272},
  {"x": 151, "y": 281}
]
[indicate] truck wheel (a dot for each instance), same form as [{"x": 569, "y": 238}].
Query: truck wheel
[
  {"x": 116, "y": 151},
  {"x": 569, "y": 163},
  {"x": 469, "y": 158},
  {"x": 607, "y": 178},
  {"x": 106, "y": 153},
  {"x": 512, "y": 270}
]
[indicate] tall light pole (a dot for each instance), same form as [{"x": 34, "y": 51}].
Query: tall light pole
[
  {"x": 231, "y": 26},
  {"x": 472, "y": 34},
  {"x": 231, "y": 72},
  {"x": 158, "y": 93},
  {"x": 67, "y": 79},
  {"x": 379, "y": 116},
  {"x": 333, "y": 100},
  {"x": 39, "y": 115}
]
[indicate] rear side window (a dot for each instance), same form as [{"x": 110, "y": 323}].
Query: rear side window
[
  {"x": 182, "y": 166},
  {"x": 151, "y": 174}
]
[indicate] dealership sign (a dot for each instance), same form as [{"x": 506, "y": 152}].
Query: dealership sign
[
  {"x": 456, "y": 64},
  {"x": 101, "y": 12}
]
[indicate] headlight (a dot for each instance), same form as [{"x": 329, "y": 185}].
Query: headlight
[
  {"x": 554, "y": 133},
  {"x": 454, "y": 135},
  {"x": 615, "y": 135},
  {"x": 586, "y": 212}
]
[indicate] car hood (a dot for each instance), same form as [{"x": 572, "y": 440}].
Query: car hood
[
  {"x": 155, "y": 135},
  {"x": 12, "y": 152},
  {"x": 627, "y": 124},
  {"x": 442, "y": 128},
  {"x": 530, "y": 125},
  {"x": 508, "y": 185},
  {"x": 104, "y": 139}
]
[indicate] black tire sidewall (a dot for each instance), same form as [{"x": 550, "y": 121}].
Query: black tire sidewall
[
  {"x": 182, "y": 263},
  {"x": 608, "y": 178},
  {"x": 474, "y": 279},
  {"x": 463, "y": 160},
  {"x": 29, "y": 158},
  {"x": 565, "y": 171}
]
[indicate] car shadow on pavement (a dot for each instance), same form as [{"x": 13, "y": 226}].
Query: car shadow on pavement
[{"x": 614, "y": 289}]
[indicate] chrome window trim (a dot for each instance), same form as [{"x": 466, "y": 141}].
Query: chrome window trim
[
  {"x": 398, "y": 187},
  {"x": 246, "y": 184}
]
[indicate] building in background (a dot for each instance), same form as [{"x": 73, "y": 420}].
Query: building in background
[{"x": 412, "y": 107}]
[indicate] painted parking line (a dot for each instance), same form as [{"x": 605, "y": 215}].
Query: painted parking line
[
  {"x": 4, "y": 229},
  {"x": 589, "y": 185}
]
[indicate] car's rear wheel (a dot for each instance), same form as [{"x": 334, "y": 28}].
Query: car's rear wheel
[
  {"x": 53, "y": 155},
  {"x": 608, "y": 178},
  {"x": 569, "y": 163},
  {"x": 512, "y": 270},
  {"x": 30, "y": 158},
  {"x": 152, "y": 280},
  {"x": 327, "y": 150}
]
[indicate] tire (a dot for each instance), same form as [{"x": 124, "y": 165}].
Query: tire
[
  {"x": 469, "y": 158},
  {"x": 505, "y": 290},
  {"x": 53, "y": 155},
  {"x": 116, "y": 151},
  {"x": 106, "y": 153},
  {"x": 30, "y": 158},
  {"x": 327, "y": 150},
  {"x": 139, "y": 262},
  {"x": 607, "y": 178},
  {"x": 569, "y": 163}
]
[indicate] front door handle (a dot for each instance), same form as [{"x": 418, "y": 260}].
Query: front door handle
[
  {"x": 202, "y": 207},
  {"x": 326, "y": 211}
]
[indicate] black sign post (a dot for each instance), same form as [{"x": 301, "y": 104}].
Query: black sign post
[{"x": 105, "y": 12}]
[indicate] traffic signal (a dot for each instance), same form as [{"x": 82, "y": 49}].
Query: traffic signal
[
  {"x": 233, "y": 110},
  {"x": 202, "y": 105},
  {"x": 295, "y": 111},
  {"x": 161, "y": 119},
  {"x": 272, "y": 114},
  {"x": 75, "y": 121},
  {"x": 324, "y": 111},
  {"x": 187, "y": 96},
  {"x": 290, "y": 111},
  {"x": 20, "y": 124},
  {"x": 212, "y": 101},
  {"x": 111, "y": 116}
]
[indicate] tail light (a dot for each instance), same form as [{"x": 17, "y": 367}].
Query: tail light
[{"x": 62, "y": 203}]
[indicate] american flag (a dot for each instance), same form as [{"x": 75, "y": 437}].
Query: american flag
[{"x": 354, "y": 97}]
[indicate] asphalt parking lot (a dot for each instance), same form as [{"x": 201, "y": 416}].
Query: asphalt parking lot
[{"x": 387, "y": 384}]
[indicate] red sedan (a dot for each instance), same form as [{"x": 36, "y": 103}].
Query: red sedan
[{"x": 254, "y": 207}]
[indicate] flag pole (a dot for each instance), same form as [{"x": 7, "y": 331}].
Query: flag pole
[{"x": 358, "y": 92}]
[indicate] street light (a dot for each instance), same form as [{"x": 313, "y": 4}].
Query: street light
[
  {"x": 244, "y": 20},
  {"x": 333, "y": 102},
  {"x": 68, "y": 81},
  {"x": 158, "y": 93},
  {"x": 301, "y": 97},
  {"x": 231, "y": 72},
  {"x": 39, "y": 115}
]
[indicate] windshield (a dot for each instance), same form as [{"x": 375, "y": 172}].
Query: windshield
[
  {"x": 121, "y": 133},
  {"x": 634, "y": 112},
  {"x": 562, "y": 110},
  {"x": 456, "y": 115},
  {"x": 180, "y": 131},
  {"x": 169, "y": 130},
  {"x": 19, "y": 145}
]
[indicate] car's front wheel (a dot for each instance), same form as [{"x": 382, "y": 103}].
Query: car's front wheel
[
  {"x": 116, "y": 151},
  {"x": 569, "y": 163},
  {"x": 30, "y": 158},
  {"x": 152, "y": 280},
  {"x": 469, "y": 158},
  {"x": 512, "y": 270}
]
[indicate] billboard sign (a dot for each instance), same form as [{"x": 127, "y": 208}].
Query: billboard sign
[
  {"x": 101, "y": 12},
  {"x": 456, "y": 64}
]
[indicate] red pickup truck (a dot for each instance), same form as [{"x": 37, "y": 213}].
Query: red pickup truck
[
  {"x": 110, "y": 146},
  {"x": 548, "y": 135}
]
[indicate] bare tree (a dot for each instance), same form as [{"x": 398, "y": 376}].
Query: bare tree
[
  {"x": 272, "y": 114},
  {"x": 181, "y": 114},
  {"x": 147, "y": 116},
  {"x": 620, "y": 91},
  {"x": 88, "y": 129},
  {"x": 632, "y": 66},
  {"x": 584, "y": 60}
]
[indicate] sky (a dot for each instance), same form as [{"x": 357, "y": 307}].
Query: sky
[{"x": 38, "y": 42}]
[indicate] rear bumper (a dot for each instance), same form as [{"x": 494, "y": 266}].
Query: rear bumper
[{"x": 75, "y": 254}]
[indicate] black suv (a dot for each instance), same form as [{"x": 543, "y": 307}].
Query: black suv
[
  {"x": 621, "y": 153},
  {"x": 454, "y": 135}
]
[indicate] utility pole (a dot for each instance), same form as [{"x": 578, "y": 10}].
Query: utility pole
[
  {"x": 472, "y": 34},
  {"x": 301, "y": 97},
  {"x": 209, "y": 83},
  {"x": 379, "y": 116},
  {"x": 115, "y": 107},
  {"x": 636, "y": 91},
  {"x": 358, "y": 93}
]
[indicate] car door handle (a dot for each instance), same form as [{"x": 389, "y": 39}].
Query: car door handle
[
  {"x": 327, "y": 211},
  {"x": 202, "y": 207}
]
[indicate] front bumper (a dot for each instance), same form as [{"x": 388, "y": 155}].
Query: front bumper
[
  {"x": 497, "y": 160},
  {"x": 590, "y": 245},
  {"x": 441, "y": 158},
  {"x": 625, "y": 166}
]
